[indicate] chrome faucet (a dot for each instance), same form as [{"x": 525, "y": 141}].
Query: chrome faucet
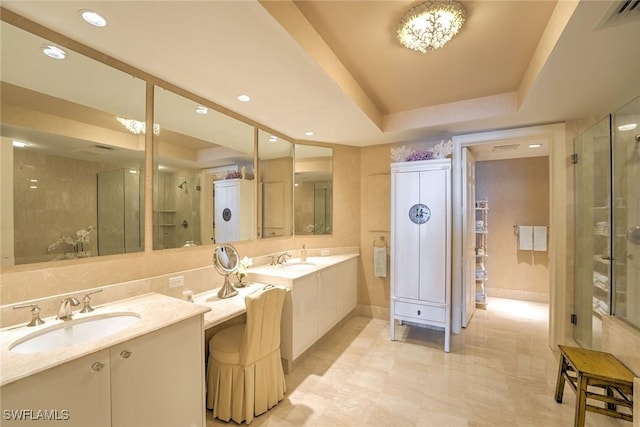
[
  {"x": 65, "y": 312},
  {"x": 282, "y": 258}
]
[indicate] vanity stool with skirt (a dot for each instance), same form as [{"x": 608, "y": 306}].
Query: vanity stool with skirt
[{"x": 244, "y": 371}]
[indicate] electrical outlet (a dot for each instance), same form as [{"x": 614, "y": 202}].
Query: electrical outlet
[
  {"x": 324, "y": 252},
  {"x": 176, "y": 282}
]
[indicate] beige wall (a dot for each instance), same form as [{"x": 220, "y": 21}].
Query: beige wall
[
  {"x": 375, "y": 179},
  {"x": 518, "y": 194}
]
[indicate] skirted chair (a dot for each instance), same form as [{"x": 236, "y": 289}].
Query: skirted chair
[{"x": 244, "y": 370}]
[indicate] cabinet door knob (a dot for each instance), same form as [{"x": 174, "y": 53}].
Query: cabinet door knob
[
  {"x": 124, "y": 354},
  {"x": 97, "y": 367},
  {"x": 418, "y": 312}
]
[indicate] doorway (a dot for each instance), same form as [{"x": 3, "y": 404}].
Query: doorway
[{"x": 551, "y": 136}]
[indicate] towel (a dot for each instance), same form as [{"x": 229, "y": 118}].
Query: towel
[
  {"x": 380, "y": 262},
  {"x": 540, "y": 238},
  {"x": 525, "y": 237}
]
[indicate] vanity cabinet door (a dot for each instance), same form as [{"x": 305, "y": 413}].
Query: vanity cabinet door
[
  {"x": 158, "y": 379},
  {"x": 305, "y": 308},
  {"x": 73, "y": 394},
  {"x": 347, "y": 288},
  {"x": 328, "y": 299}
]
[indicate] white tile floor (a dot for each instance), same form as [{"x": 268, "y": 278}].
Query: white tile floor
[{"x": 500, "y": 372}]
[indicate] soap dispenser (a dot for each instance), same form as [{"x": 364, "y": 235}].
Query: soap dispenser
[{"x": 303, "y": 253}]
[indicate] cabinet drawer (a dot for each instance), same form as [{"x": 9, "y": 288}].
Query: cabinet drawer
[{"x": 418, "y": 311}]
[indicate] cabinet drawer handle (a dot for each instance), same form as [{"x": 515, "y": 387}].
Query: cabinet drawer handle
[
  {"x": 418, "y": 312},
  {"x": 97, "y": 367},
  {"x": 124, "y": 354}
]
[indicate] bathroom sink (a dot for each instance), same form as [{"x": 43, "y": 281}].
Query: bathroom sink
[
  {"x": 298, "y": 265},
  {"x": 73, "y": 332}
]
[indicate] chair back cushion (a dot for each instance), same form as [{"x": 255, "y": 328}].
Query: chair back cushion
[{"x": 262, "y": 333}]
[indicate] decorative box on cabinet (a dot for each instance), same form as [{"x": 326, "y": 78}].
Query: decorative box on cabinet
[
  {"x": 421, "y": 245},
  {"x": 233, "y": 210}
]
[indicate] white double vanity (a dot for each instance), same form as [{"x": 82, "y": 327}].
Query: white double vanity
[
  {"x": 323, "y": 291},
  {"x": 149, "y": 368}
]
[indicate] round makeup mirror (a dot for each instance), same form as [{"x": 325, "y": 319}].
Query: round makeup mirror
[{"x": 226, "y": 261}]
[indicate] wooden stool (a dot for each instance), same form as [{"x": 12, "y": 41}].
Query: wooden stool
[{"x": 596, "y": 369}]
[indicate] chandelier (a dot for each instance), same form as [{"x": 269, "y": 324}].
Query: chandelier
[
  {"x": 137, "y": 127},
  {"x": 430, "y": 25}
]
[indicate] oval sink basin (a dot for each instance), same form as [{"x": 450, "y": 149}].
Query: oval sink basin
[
  {"x": 298, "y": 265},
  {"x": 74, "y": 332}
]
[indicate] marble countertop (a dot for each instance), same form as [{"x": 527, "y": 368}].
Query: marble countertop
[
  {"x": 227, "y": 308},
  {"x": 295, "y": 268},
  {"x": 156, "y": 311}
]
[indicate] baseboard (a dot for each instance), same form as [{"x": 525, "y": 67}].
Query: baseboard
[{"x": 530, "y": 296}]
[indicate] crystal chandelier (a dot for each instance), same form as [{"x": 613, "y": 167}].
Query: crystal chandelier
[
  {"x": 430, "y": 25},
  {"x": 137, "y": 127}
]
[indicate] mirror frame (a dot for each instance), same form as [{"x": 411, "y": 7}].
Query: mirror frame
[{"x": 226, "y": 291}]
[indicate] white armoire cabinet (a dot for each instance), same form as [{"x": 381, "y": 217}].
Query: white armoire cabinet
[
  {"x": 421, "y": 245},
  {"x": 233, "y": 210}
]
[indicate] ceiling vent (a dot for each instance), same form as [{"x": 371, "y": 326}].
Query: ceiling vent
[
  {"x": 499, "y": 148},
  {"x": 620, "y": 12}
]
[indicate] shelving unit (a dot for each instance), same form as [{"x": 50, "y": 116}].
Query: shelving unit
[{"x": 482, "y": 231}]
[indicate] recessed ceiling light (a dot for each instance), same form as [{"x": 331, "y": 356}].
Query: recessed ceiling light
[
  {"x": 93, "y": 18},
  {"x": 202, "y": 109},
  {"x": 273, "y": 138},
  {"x": 20, "y": 144},
  {"x": 534, "y": 145},
  {"x": 33, "y": 180},
  {"x": 309, "y": 133},
  {"x": 630, "y": 126},
  {"x": 244, "y": 98},
  {"x": 33, "y": 187},
  {"x": 54, "y": 52}
]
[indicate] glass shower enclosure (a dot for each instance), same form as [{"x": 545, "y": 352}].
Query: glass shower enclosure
[
  {"x": 592, "y": 177},
  {"x": 607, "y": 224},
  {"x": 626, "y": 212}
]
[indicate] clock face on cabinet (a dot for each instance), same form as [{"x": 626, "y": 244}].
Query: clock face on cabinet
[
  {"x": 226, "y": 214},
  {"x": 419, "y": 213}
]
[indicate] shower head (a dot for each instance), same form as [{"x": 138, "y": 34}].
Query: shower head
[{"x": 183, "y": 184}]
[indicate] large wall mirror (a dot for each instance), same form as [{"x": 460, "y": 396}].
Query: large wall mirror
[
  {"x": 203, "y": 190},
  {"x": 313, "y": 190},
  {"x": 72, "y": 177},
  {"x": 275, "y": 186}
]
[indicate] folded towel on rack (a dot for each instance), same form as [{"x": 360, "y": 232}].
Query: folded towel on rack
[
  {"x": 525, "y": 237},
  {"x": 380, "y": 261},
  {"x": 540, "y": 238}
]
